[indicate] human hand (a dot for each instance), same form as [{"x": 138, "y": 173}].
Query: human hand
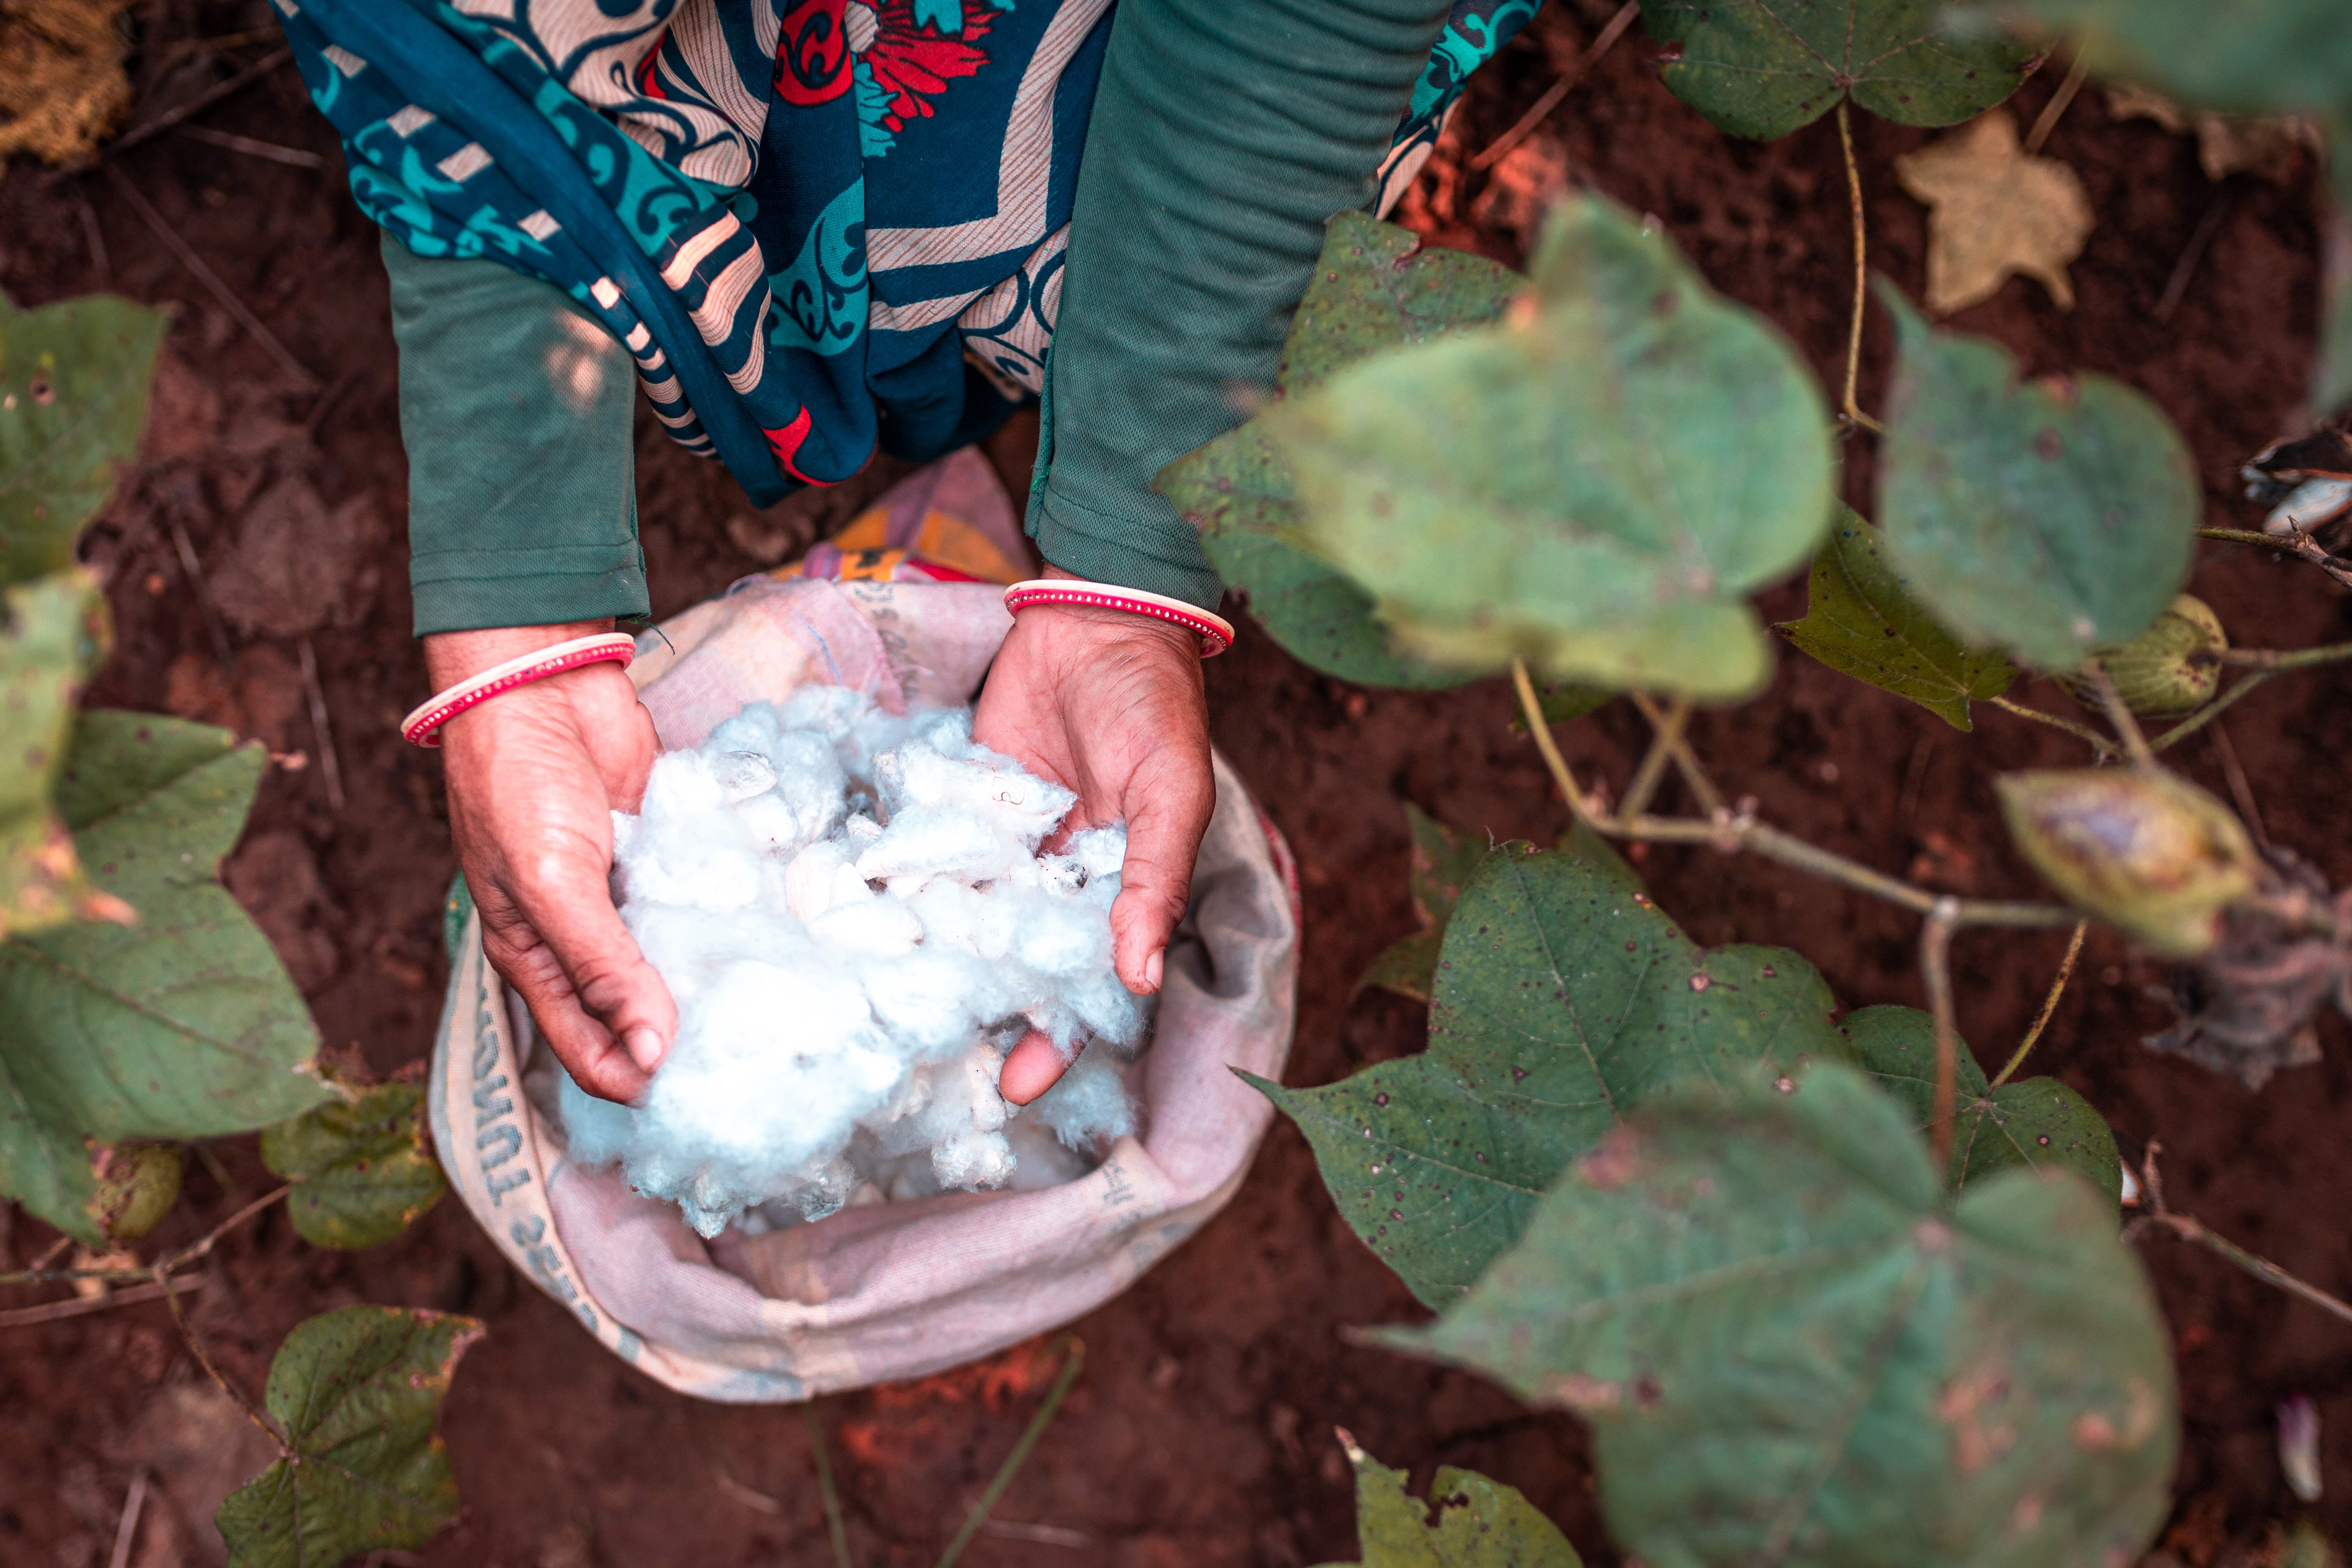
[
  {"x": 534, "y": 775},
  {"x": 1108, "y": 704}
]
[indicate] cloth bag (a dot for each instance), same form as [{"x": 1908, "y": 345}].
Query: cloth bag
[{"x": 880, "y": 1291}]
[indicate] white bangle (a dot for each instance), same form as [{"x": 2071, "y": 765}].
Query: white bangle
[
  {"x": 424, "y": 722},
  {"x": 1215, "y": 632}
]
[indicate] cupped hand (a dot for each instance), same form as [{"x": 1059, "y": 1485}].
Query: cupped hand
[
  {"x": 533, "y": 777},
  {"x": 1108, "y": 704}
]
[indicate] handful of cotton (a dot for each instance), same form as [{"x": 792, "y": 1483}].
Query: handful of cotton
[{"x": 850, "y": 907}]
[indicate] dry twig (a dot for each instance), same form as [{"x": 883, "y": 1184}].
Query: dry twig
[
  {"x": 1559, "y": 90},
  {"x": 2049, "y": 1004},
  {"x": 330, "y": 769},
  {"x": 303, "y": 380},
  {"x": 76, "y": 1307},
  {"x": 2190, "y": 1228}
]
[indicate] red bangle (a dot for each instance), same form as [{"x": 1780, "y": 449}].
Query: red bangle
[
  {"x": 1215, "y": 632},
  {"x": 423, "y": 726}
]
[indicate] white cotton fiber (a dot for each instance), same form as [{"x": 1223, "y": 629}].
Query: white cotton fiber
[{"x": 852, "y": 913}]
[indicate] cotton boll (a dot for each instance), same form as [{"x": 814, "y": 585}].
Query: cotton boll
[
  {"x": 919, "y": 845},
  {"x": 1090, "y": 1100},
  {"x": 875, "y": 928},
  {"x": 849, "y": 909}
]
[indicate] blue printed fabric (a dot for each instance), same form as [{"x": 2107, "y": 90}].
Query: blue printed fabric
[{"x": 820, "y": 226}]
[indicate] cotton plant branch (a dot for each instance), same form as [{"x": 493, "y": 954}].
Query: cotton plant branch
[
  {"x": 2298, "y": 545},
  {"x": 41, "y": 1274},
  {"x": 2098, "y": 742},
  {"x": 1731, "y": 830},
  {"x": 2190, "y": 1228},
  {"x": 1668, "y": 734}
]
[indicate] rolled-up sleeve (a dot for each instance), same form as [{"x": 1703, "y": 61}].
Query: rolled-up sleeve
[
  {"x": 516, "y": 407},
  {"x": 1225, "y": 134}
]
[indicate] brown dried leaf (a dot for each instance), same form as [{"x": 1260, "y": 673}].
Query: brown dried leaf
[
  {"x": 2269, "y": 146},
  {"x": 1994, "y": 210},
  {"x": 61, "y": 81}
]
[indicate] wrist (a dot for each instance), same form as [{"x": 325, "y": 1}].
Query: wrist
[
  {"x": 453, "y": 657},
  {"x": 1101, "y": 611}
]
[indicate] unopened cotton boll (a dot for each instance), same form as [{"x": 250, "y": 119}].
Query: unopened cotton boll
[{"x": 851, "y": 910}]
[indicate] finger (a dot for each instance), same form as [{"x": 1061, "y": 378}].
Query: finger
[
  {"x": 565, "y": 895},
  {"x": 596, "y": 1061},
  {"x": 1167, "y": 813},
  {"x": 1030, "y": 1068}
]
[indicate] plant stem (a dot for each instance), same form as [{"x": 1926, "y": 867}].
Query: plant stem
[
  {"x": 2283, "y": 658},
  {"x": 170, "y": 1260},
  {"x": 196, "y": 1349},
  {"x": 1702, "y": 788},
  {"x": 1669, "y": 732},
  {"x": 2047, "y": 120},
  {"x": 2190, "y": 1228},
  {"x": 2211, "y": 711},
  {"x": 1731, "y": 831},
  {"x": 2120, "y": 715},
  {"x": 1936, "y": 967},
  {"x": 1019, "y": 1455},
  {"x": 833, "y": 1527},
  {"x": 2105, "y": 747},
  {"x": 1861, "y": 272},
  {"x": 2049, "y": 1004},
  {"x": 2297, "y": 544}
]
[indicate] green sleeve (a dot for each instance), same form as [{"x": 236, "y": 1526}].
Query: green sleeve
[
  {"x": 517, "y": 409},
  {"x": 1225, "y": 134}
]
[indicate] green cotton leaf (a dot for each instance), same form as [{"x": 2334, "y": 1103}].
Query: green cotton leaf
[
  {"x": 73, "y": 394},
  {"x": 2253, "y": 57},
  {"x": 1794, "y": 1345},
  {"x": 1862, "y": 619},
  {"x": 355, "y": 1392},
  {"x": 1564, "y": 997},
  {"x": 1443, "y": 861},
  {"x": 1374, "y": 289},
  {"x": 2048, "y": 517},
  {"x": 2031, "y": 1122},
  {"x": 363, "y": 1170},
  {"x": 1765, "y": 68},
  {"x": 1478, "y": 1523},
  {"x": 1592, "y": 488},
  {"x": 183, "y": 1024},
  {"x": 1237, "y": 490},
  {"x": 50, "y": 638}
]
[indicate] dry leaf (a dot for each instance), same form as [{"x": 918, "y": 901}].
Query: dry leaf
[
  {"x": 61, "y": 81},
  {"x": 1994, "y": 210},
  {"x": 2269, "y": 146}
]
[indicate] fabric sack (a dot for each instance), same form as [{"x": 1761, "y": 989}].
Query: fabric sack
[{"x": 880, "y": 1291}]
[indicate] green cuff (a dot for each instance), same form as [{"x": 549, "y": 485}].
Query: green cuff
[
  {"x": 517, "y": 409},
  {"x": 459, "y": 590},
  {"x": 1130, "y": 551}
]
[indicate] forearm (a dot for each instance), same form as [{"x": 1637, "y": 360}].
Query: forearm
[
  {"x": 1225, "y": 134},
  {"x": 517, "y": 411}
]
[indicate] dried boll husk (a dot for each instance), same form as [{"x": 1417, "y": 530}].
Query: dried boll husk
[
  {"x": 138, "y": 1183},
  {"x": 2149, "y": 853},
  {"x": 2169, "y": 669}
]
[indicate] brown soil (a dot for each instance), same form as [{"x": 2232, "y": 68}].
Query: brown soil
[{"x": 1201, "y": 1433}]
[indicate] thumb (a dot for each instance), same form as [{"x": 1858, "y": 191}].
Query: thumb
[{"x": 1165, "y": 820}]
